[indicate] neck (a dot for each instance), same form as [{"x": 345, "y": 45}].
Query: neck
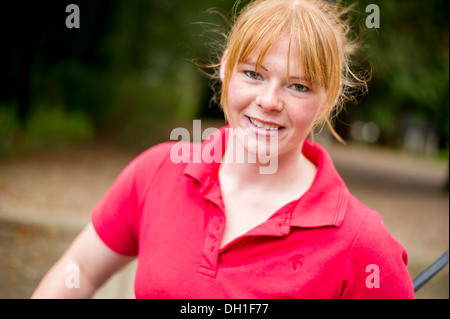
[{"x": 287, "y": 171}]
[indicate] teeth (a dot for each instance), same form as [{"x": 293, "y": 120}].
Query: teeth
[{"x": 263, "y": 125}]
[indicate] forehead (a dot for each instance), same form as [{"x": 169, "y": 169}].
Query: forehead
[
  {"x": 281, "y": 52},
  {"x": 281, "y": 45}
]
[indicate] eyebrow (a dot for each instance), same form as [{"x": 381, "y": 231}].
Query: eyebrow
[
  {"x": 254, "y": 64},
  {"x": 265, "y": 69}
]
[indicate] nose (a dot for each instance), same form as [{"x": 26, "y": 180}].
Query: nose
[{"x": 270, "y": 98}]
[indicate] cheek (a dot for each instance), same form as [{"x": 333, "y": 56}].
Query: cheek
[
  {"x": 305, "y": 113},
  {"x": 238, "y": 97}
]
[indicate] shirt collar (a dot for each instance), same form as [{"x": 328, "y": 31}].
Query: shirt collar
[{"x": 324, "y": 204}]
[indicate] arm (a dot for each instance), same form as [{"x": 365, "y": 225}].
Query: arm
[{"x": 94, "y": 260}]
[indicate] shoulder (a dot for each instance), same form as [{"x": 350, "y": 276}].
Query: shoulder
[
  {"x": 370, "y": 236},
  {"x": 367, "y": 224},
  {"x": 150, "y": 161},
  {"x": 373, "y": 253},
  {"x": 140, "y": 172},
  {"x": 118, "y": 212},
  {"x": 154, "y": 155}
]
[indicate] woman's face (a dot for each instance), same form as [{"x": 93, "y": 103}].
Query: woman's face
[{"x": 271, "y": 103}]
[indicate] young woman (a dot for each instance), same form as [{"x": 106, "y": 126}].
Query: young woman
[{"x": 222, "y": 228}]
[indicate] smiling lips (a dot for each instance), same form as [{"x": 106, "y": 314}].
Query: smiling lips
[{"x": 265, "y": 125}]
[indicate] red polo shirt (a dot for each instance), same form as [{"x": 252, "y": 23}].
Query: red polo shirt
[{"x": 326, "y": 244}]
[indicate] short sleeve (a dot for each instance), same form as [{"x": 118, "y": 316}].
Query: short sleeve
[
  {"x": 116, "y": 216},
  {"x": 376, "y": 267}
]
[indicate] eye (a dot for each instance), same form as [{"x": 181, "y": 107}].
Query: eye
[
  {"x": 253, "y": 75},
  {"x": 299, "y": 88}
]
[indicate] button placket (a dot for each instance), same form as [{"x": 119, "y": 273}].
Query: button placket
[
  {"x": 211, "y": 248},
  {"x": 214, "y": 229}
]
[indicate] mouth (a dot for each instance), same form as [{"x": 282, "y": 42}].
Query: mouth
[{"x": 265, "y": 125}]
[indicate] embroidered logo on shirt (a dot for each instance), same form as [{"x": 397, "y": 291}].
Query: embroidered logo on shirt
[{"x": 296, "y": 261}]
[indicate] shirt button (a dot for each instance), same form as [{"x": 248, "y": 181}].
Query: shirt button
[
  {"x": 240, "y": 243},
  {"x": 222, "y": 258}
]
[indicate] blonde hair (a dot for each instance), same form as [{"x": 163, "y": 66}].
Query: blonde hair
[{"x": 319, "y": 31}]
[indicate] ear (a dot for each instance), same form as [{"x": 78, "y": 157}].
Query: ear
[{"x": 223, "y": 62}]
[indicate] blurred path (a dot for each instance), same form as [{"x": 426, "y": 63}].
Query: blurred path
[{"x": 45, "y": 200}]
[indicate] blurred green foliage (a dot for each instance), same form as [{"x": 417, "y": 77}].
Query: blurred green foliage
[
  {"x": 409, "y": 56},
  {"x": 51, "y": 126},
  {"x": 125, "y": 72}
]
